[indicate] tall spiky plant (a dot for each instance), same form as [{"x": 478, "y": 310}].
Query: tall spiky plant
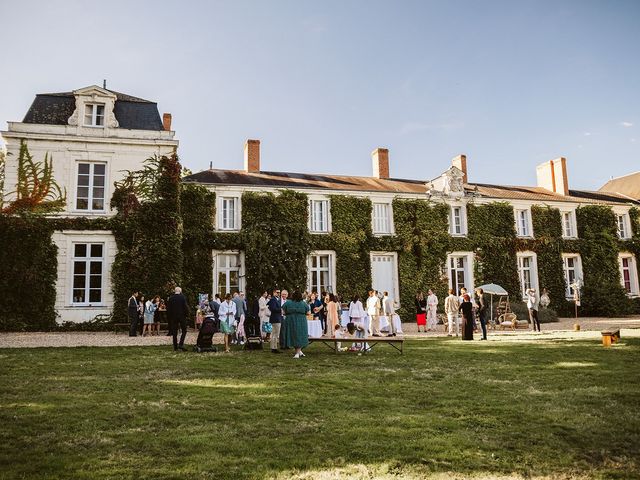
[{"x": 36, "y": 190}]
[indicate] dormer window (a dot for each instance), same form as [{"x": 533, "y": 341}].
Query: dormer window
[{"x": 94, "y": 115}]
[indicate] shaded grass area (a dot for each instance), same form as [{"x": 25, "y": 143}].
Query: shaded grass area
[{"x": 550, "y": 408}]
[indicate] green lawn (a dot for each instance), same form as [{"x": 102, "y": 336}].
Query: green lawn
[{"x": 555, "y": 409}]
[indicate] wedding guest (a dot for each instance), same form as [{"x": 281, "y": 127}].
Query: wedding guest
[
  {"x": 241, "y": 309},
  {"x": 432, "y": 310},
  {"x": 481, "y": 306},
  {"x": 333, "y": 318},
  {"x": 389, "y": 311},
  {"x": 297, "y": 333},
  {"x": 374, "y": 314},
  {"x": 451, "y": 307},
  {"x": 532, "y": 305},
  {"x": 132, "y": 310},
  {"x": 466, "y": 307},
  {"x": 421, "y": 309},
  {"x": 177, "y": 313},
  {"x": 356, "y": 311},
  {"x": 316, "y": 307},
  {"x": 284, "y": 326},
  {"x": 263, "y": 312},
  {"x": 275, "y": 319},
  {"x": 227, "y": 314},
  {"x": 160, "y": 316},
  {"x": 214, "y": 305},
  {"x": 150, "y": 308},
  {"x": 141, "y": 313}
]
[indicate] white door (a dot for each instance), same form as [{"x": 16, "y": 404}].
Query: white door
[{"x": 384, "y": 274}]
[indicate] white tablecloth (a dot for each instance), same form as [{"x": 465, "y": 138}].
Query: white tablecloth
[
  {"x": 344, "y": 319},
  {"x": 315, "y": 328},
  {"x": 384, "y": 323}
]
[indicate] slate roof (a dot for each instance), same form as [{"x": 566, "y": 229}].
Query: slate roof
[
  {"x": 131, "y": 112},
  {"x": 392, "y": 185},
  {"x": 627, "y": 185}
]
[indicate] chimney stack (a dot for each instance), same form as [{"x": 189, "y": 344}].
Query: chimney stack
[
  {"x": 166, "y": 121},
  {"x": 380, "y": 159},
  {"x": 252, "y": 156},
  {"x": 461, "y": 162},
  {"x": 552, "y": 175}
]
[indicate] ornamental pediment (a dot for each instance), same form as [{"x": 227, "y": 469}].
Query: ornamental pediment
[{"x": 449, "y": 184}]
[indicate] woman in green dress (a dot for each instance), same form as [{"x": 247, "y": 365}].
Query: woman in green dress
[{"x": 297, "y": 334}]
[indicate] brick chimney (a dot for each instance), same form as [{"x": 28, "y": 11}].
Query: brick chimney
[
  {"x": 252, "y": 156},
  {"x": 461, "y": 162},
  {"x": 552, "y": 175},
  {"x": 380, "y": 159},
  {"x": 166, "y": 121}
]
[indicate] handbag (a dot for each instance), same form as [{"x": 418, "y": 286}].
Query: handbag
[{"x": 267, "y": 327}]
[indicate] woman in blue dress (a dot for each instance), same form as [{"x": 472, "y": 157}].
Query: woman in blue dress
[{"x": 297, "y": 333}]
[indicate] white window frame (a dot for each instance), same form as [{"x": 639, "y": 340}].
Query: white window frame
[
  {"x": 533, "y": 271},
  {"x": 327, "y": 217},
  {"x": 332, "y": 270},
  {"x": 94, "y": 115},
  {"x": 90, "y": 187},
  {"x": 527, "y": 217},
  {"x": 216, "y": 268},
  {"x": 573, "y": 227},
  {"x": 389, "y": 220},
  {"x": 87, "y": 259},
  {"x": 624, "y": 219},
  {"x": 633, "y": 273},
  {"x": 395, "y": 295},
  {"x": 221, "y": 198},
  {"x": 577, "y": 268},
  {"x": 468, "y": 270},
  {"x": 463, "y": 221}
]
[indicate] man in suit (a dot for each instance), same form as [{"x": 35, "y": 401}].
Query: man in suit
[
  {"x": 132, "y": 310},
  {"x": 214, "y": 305},
  {"x": 275, "y": 319},
  {"x": 177, "y": 312}
]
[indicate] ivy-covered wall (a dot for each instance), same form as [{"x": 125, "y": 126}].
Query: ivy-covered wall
[
  {"x": 598, "y": 245},
  {"x": 169, "y": 239},
  {"x": 28, "y": 272}
]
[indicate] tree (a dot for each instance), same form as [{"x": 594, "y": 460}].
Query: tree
[{"x": 36, "y": 190}]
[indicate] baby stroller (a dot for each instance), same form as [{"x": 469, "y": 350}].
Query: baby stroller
[
  {"x": 210, "y": 326},
  {"x": 252, "y": 329}
]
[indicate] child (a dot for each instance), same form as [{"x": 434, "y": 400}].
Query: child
[{"x": 337, "y": 333}]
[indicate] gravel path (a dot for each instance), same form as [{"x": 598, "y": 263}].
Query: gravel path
[{"x": 590, "y": 328}]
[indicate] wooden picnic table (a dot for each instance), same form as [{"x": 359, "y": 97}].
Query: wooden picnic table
[{"x": 367, "y": 342}]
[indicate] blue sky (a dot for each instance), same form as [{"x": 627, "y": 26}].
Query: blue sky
[{"x": 321, "y": 84}]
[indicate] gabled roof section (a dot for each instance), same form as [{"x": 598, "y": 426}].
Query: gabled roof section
[
  {"x": 131, "y": 112},
  {"x": 392, "y": 185},
  {"x": 628, "y": 185}
]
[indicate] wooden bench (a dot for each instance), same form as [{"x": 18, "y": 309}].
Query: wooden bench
[
  {"x": 127, "y": 326},
  {"x": 369, "y": 342},
  {"x": 610, "y": 336}
]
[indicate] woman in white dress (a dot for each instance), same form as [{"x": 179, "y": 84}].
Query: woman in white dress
[
  {"x": 263, "y": 312},
  {"x": 432, "y": 310},
  {"x": 227, "y": 315}
]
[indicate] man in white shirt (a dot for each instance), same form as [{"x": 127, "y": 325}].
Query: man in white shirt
[
  {"x": 451, "y": 307},
  {"x": 374, "y": 314},
  {"x": 389, "y": 311}
]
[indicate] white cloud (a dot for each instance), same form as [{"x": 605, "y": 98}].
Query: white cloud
[
  {"x": 587, "y": 134},
  {"x": 633, "y": 140},
  {"x": 626, "y": 124}
]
